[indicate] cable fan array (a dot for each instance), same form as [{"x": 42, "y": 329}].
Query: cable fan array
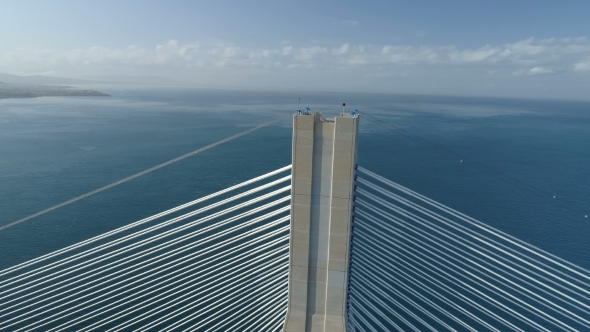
[
  {"x": 220, "y": 267},
  {"x": 418, "y": 265}
]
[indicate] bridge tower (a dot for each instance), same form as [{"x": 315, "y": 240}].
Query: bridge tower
[{"x": 324, "y": 158}]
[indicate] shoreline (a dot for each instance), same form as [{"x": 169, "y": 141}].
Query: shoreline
[{"x": 14, "y": 91}]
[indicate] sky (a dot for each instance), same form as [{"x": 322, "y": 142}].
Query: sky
[{"x": 518, "y": 48}]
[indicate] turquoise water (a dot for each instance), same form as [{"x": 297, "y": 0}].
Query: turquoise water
[{"x": 53, "y": 149}]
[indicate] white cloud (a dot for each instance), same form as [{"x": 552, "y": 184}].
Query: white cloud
[
  {"x": 307, "y": 53},
  {"x": 540, "y": 70},
  {"x": 356, "y": 60},
  {"x": 341, "y": 50},
  {"x": 480, "y": 54},
  {"x": 582, "y": 66},
  {"x": 533, "y": 71},
  {"x": 525, "y": 57},
  {"x": 287, "y": 50}
]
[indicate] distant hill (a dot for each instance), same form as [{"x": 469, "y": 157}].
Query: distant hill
[{"x": 44, "y": 90}]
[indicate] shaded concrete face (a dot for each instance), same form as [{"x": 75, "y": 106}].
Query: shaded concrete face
[{"x": 324, "y": 155}]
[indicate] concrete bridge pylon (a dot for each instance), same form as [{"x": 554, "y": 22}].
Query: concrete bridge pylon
[{"x": 324, "y": 158}]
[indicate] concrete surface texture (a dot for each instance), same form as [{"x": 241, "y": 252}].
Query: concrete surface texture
[{"x": 324, "y": 156}]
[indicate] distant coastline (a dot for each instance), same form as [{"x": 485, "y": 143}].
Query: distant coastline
[{"x": 33, "y": 91}]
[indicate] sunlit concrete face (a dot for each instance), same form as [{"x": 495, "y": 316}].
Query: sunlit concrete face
[{"x": 324, "y": 155}]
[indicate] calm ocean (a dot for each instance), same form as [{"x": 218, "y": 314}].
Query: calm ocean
[{"x": 53, "y": 149}]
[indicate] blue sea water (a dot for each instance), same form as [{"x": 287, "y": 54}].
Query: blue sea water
[{"x": 517, "y": 155}]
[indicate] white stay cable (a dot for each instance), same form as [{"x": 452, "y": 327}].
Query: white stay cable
[
  {"x": 222, "y": 298},
  {"x": 240, "y": 302},
  {"x": 205, "y": 240},
  {"x": 381, "y": 314},
  {"x": 476, "y": 237},
  {"x": 131, "y": 269},
  {"x": 177, "y": 296},
  {"x": 271, "y": 317},
  {"x": 386, "y": 284},
  {"x": 275, "y": 303},
  {"x": 462, "y": 285},
  {"x": 226, "y": 299},
  {"x": 351, "y": 320},
  {"x": 160, "y": 296},
  {"x": 166, "y": 282},
  {"x": 354, "y": 316},
  {"x": 392, "y": 300},
  {"x": 161, "y": 246},
  {"x": 181, "y": 260},
  {"x": 506, "y": 237},
  {"x": 180, "y": 249},
  {"x": 140, "y": 222},
  {"x": 60, "y": 316},
  {"x": 522, "y": 304},
  {"x": 455, "y": 238},
  {"x": 372, "y": 264},
  {"x": 135, "y": 296},
  {"x": 367, "y": 260},
  {"x": 472, "y": 265},
  {"x": 362, "y": 319},
  {"x": 270, "y": 303},
  {"x": 147, "y": 230},
  {"x": 139, "y": 243},
  {"x": 236, "y": 280},
  {"x": 375, "y": 298},
  {"x": 280, "y": 316}
]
